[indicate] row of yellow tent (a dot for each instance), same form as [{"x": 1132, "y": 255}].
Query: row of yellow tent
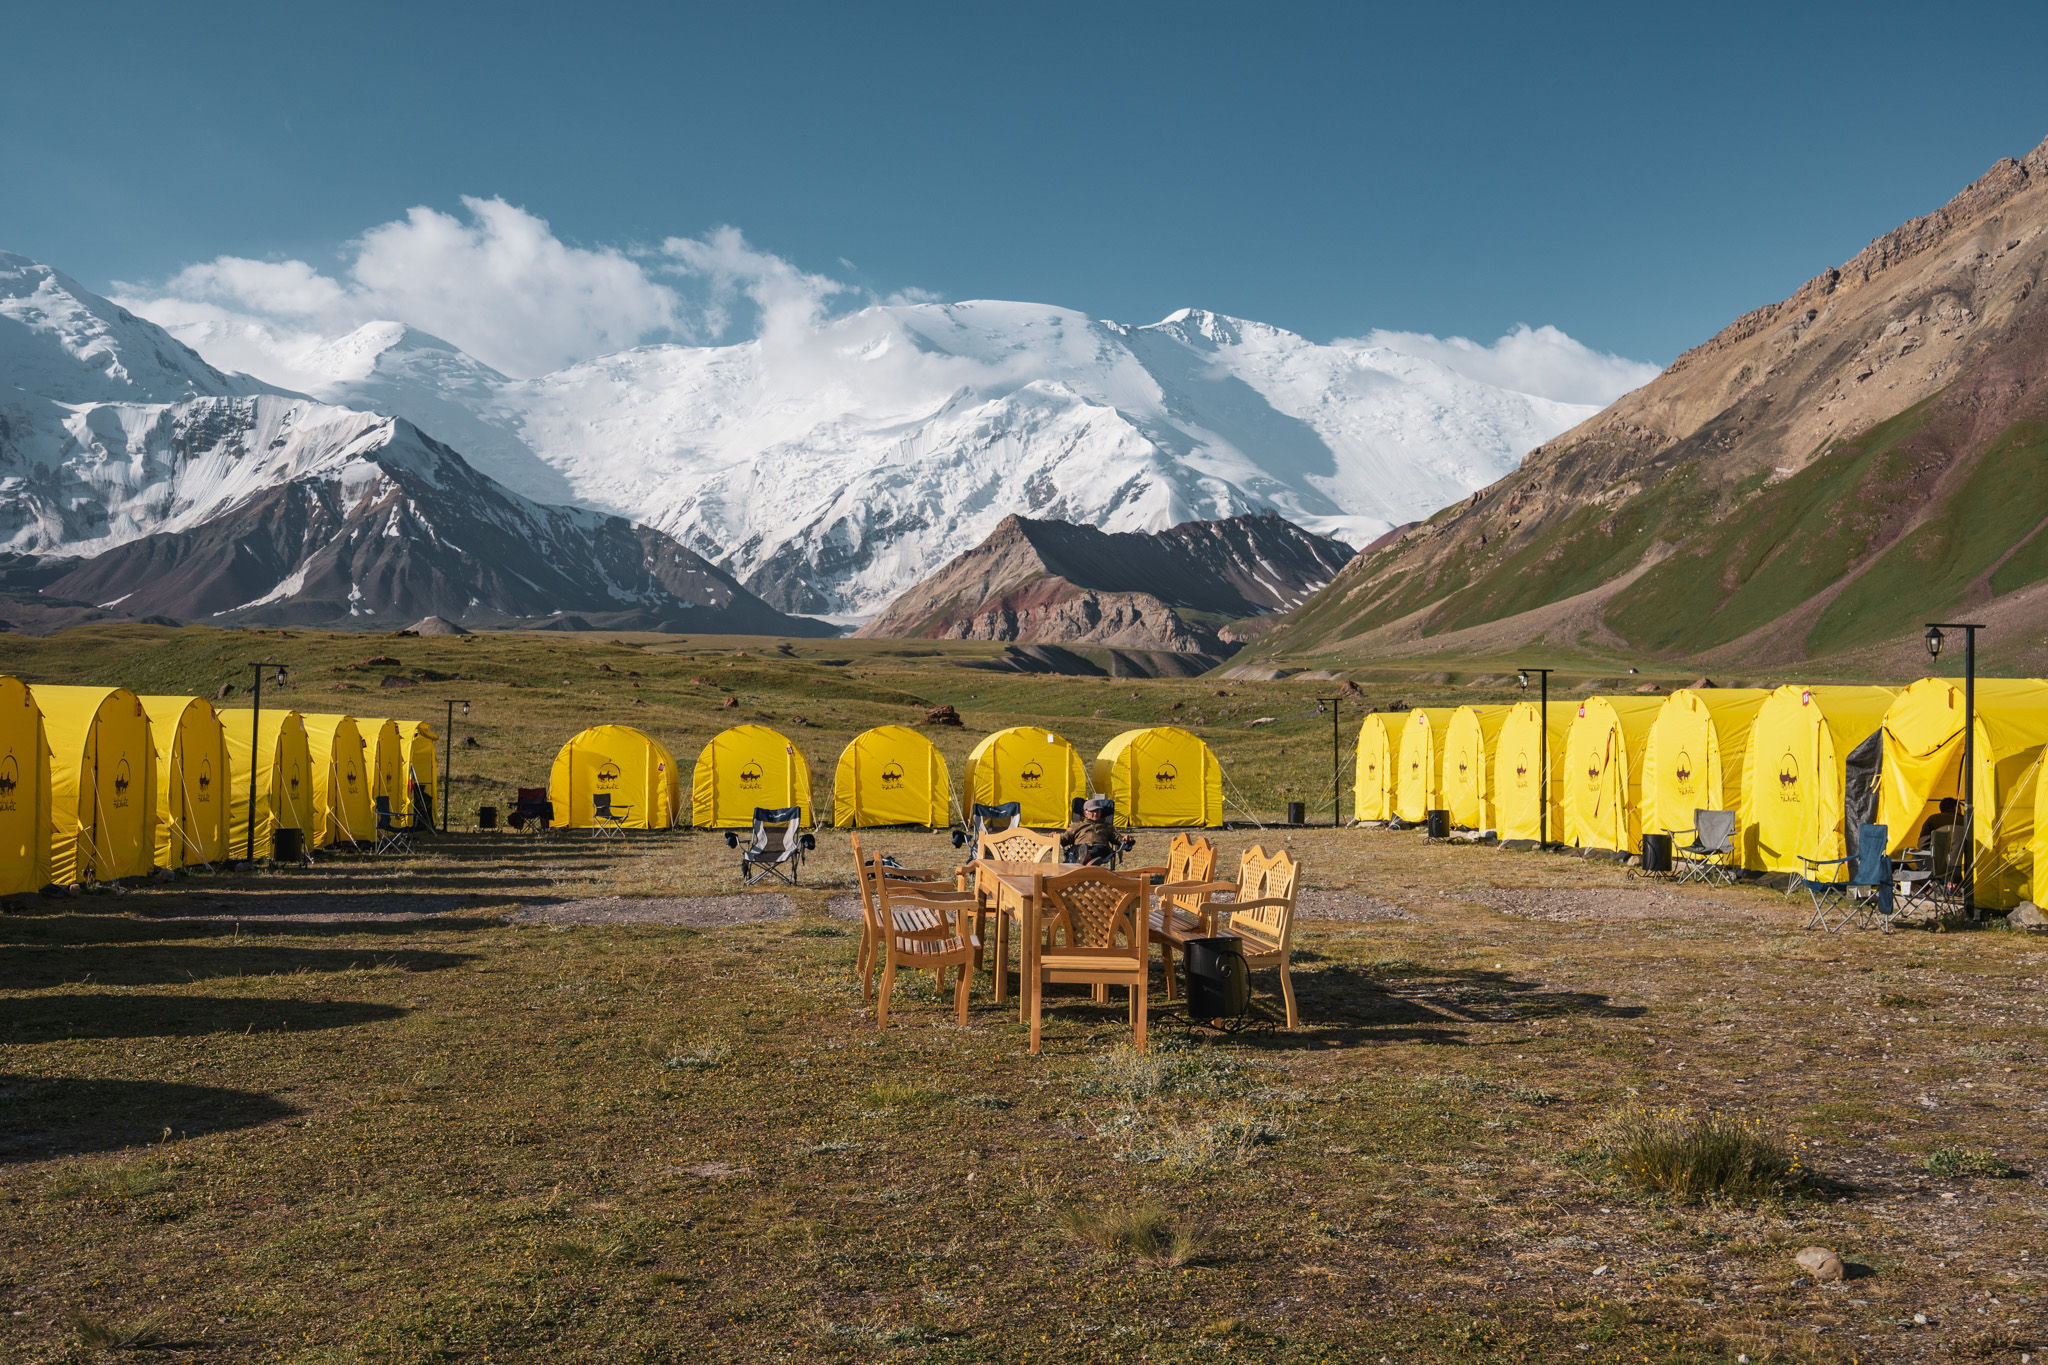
[
  {"x": 98, "y": 783},
  {"x": 1621, "y": 767},
  {"x": 890, "y": 775}
]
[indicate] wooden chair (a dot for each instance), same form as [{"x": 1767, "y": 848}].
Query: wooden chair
[
  {"x": 871, "y": 871},
  {"x": 1190, "y": 866},
  {"x": 1017, "y": 845},
  {"x": 947, "y": 943},
  {"x": 1263, "y": 924},
  {"x": 1094, "y": 919}
]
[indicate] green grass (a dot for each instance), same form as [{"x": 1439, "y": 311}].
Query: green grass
[{"x": 1695, "y": 1157}]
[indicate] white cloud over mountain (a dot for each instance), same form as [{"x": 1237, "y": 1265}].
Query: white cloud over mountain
[{"x": 1537, "y": 360}]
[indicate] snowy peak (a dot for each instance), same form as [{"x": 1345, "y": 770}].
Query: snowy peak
[{"x": 395, "y": 353}]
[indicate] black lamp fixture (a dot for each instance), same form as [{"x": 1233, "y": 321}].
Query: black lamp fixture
[
  {"x": 255, "y": 746},
  {"x": 1934, "y": 640},
  {"x": 448, "y": 764},
  {"x": 1542, "y": 754},
  {"x": 1336, "y": 704}
]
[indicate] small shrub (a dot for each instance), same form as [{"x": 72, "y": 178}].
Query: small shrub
[
  {"x": 1692, "y": 1157},
  {"x": 900, "y": 1095},
  {"x": 1146, "y": 1233},
  {"x": 1124, "y": 1073},
  {"x": 1949, "y": 1161},
  {"x": 101, "y": 1335},
  {"x": 113, "y": 1182},
  {"x": 1892, "y": 1000}
]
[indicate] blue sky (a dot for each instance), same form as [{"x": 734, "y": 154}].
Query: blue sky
[{"x": 1635, "y": 175}]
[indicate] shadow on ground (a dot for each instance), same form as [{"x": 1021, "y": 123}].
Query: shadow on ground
[
  {"x": 45, "y": 1116},
  {"x": 49, "y": 1018}
]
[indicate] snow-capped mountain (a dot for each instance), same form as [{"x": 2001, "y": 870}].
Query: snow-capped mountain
[
  {"x": 191, "y": 492},
  {"x": 830, "y": 464}
]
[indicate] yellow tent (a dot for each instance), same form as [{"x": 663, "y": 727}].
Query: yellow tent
[
  {"x": 24, "y": 792},
  {"x": 1033, "y": 767},
  {"x": 1603, "y": 759},
  {"x": 891, "y": 775},
  {"x": 416, "y": 758},
  {"x": 1469, "y": 775},
  {"x": 1518, "y": 769},
  {"x": 1923, "y": 759},
  {"x": 384, "y": 756},
  {"x": 1161, "y": 778},
  {"x": 1419, "y": 767},
  {"x": 745, "y": 767},
  {"x": 102, "y": 783},
  {"x": 1792, "y": 776},
  {"x": 633, "y": 768},
  {"x": 1379, "y": 737},
  {"x": 283, "y": 778},
  {"x": 191, "y": 781},
  {"x": 342, "y": 809},
  {"x": 1694, "y": 758}
]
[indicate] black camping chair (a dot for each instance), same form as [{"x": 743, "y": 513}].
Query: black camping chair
[
  {"x": 989, "y": 820},
  {"x": 607, "y": 820},
  {"x": 392, "y": 837},
  {"x": 1110, "y": 856},
  {"x": 1707, "y": 859},
  {"x": 532, "y": 808},
  {"x": 778, "y": 846},
  {"x": 1865, "y": 892}
]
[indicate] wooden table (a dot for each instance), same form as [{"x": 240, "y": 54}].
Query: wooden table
[{"x": 1016, "y": 891}]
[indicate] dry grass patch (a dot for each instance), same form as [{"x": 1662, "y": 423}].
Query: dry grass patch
[
  {"x": 1692, "y": 1157},
  {"x": 1148, "y": 1233}
]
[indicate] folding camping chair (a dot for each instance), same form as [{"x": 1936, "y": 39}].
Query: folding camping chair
[
  {"x": 1118, "y": 844},
  {"x": 532, "y": 808},
  {"x": 392, "y": 837},
  {"x": 606, "y": 820},
  {"x": 778, "y": 846},
  {"x": 989, "y": 820},
  {"x": 1930, "y": 878},
  {"x": 1865, "y": 892},
  {"x": 1706, "y": 859}
]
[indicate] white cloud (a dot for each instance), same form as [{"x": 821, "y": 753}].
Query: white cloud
[
  {"x": 500, "y": 285},
  {"x": 1536, "y": 360}
]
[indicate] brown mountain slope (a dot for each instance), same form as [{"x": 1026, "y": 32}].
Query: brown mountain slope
[
  {"x": 1056, "y": 583},
  {"x": 1824, "y": 471}
]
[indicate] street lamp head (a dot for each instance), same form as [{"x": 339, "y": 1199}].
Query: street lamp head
[
  {"x": 465, "y": 708},
  {"x": 279, "y": 679},
  {"x": 1524, "y": 677},
  {"x": 1933, "y": 638}
]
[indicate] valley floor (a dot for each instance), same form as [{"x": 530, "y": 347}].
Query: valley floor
[{"x": 448, "y": 1107}]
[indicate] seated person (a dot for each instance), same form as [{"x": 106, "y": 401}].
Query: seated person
[
  {"x": 1945, "y": 818},
  {"x": 1091, "y": 837}
]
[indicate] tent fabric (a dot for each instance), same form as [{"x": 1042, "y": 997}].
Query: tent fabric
[
  {"x": 890, "y": 775},
  {"x": 1518, "y": 769},
  {"x": 1604, "y": 770},
  {"x": 1468, "y": 766},
  {"x": 416, "y": 757},
  {"x": 1372, "y": 791},
  {"x": 1033, "y": 767},
  {"x": 632, "y": 767},
  {"x": 384, "y": 756},
  {"x": 1859, "y": 788},
  {"x": 24, "y": 791},
  {"x": 1161, "y": 778},
  {"x": 342, "y": 809},
  {"x": 1694, "y": 757},
  {"x": 1922, "y": 763},
  {"x": 191, "y": 781},
  {"x": 745, "y": 767},
  {"x": 283, "y": 777},
  {"x": 1793, "y": 772},
  {"x": 102, "y": 783},
  {"x": 1419, "y": 767}
]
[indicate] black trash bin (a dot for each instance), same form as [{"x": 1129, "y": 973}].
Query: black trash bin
[
  {"x": 1656, "y": 853},
  {"x": 288, "y": 845},
  {"x": 1219, "y": 984},
  {"x": 1439, "y": 823},
  {"x": 1297, "y": 812},
  {"x": 486, "y": 817}
]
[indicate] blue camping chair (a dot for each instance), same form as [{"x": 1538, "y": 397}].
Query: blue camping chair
[
  {"x": 989, "y": 820},
  {"x": 1864, "y": 896}
]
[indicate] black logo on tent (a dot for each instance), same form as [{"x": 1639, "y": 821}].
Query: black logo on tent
[
  {"x": 1593, "y": 775},
  {"x": 750, "y": 776},
  {"x": 10, "y": 774},
  {"x": 1031, "y": 775},
  {"x": 1164, "y": 777},
  {"x": 1464, "y": 764},
  {"x": 1521, "y": 770},
  {"x": 1788, "y": 777},
  {"x": 121, "y": 776},
  {"x": 205, "y": 779},
  {"x": 293, "y": 783},
  {"x": 351, "y": 778},
  {"x": 1683, "y": 772},
  {"x": 892, "y": 774},
  {"x": 608, "y": 775}
]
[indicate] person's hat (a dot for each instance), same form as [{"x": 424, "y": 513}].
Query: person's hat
[{"x": 1096, "y": 803}]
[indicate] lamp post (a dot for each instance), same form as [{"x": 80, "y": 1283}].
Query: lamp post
[
  {"x": 1542, "y": 754},
  {"x": 448, "y": 763},
  {"x": 255, "y": 746},
  {"x": 1934, "y": 642},
  {"x": 1336, "y": 761}
]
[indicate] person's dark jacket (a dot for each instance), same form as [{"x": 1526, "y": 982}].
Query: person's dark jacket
[{"x": 1092, "y": 839}]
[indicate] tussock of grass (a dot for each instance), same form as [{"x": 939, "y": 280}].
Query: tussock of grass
[
  {"x": 901, "y": 1095},
  {"x": 1951, "y": 1160},
  {"x": 1146, "y": 1233},
  {"x": 702, "y": 1057},
  {"x": 113, "y": 1182},
  {"x": 1232, "y": 1140},
  {"x": 1892, "y": 1000},
  {"x": 1124, "y": 1073},
  {"x": 1694, "y": 1157},
  {"x": 99, "y": 1334}
]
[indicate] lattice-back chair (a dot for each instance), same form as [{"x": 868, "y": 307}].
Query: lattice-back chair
[
  {"x": 1180, "y": 913},
  {"x": 777, "y": 848},
  {"x": 923, "y": 931},
  {"x": 392, "y": 837},
  {"x": 1263, "y": 924},
  {"x": 1015, "y": 845},
  {"x": 871, "y": 869},
  {"x": 1094, "y": 920}
]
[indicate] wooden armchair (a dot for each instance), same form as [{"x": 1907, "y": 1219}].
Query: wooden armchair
[
  {"x": 1017, "y": 845},
  {"x": 1263, "y": 924},
  {"x": 947, "y": 942},
  {"x": 924, "y": 882},
  {"x": 1184, "y": 911},
  {"x": 1094, "y": 919}
]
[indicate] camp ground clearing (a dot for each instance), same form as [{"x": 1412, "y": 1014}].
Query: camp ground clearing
[{"x": 556, "y": 1098}]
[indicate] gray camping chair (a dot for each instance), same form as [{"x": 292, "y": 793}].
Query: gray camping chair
[
  {"x": 607, "y": 821},
  {"x": 778, "y": 846},
  {"x": 1862, "y": 897},
  {"x": 1709, "y": 857},
  {"x": 392, "y": 837},
  {"x": 989, "y": 820},
  {"x": 1930, "y": 878}
]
